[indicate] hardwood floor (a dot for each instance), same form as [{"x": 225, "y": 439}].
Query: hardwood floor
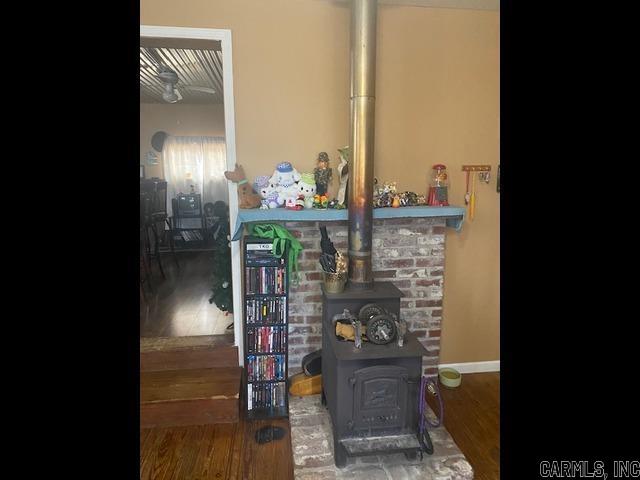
[
  {"x": 221, "y": 451},
  {"x": 472, "y": 417},
  {"x": 179, "y": 305},
  {"x": 229, "y": 451}
]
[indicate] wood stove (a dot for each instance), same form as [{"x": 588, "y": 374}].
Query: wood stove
[{"x": 371, "y": 392}]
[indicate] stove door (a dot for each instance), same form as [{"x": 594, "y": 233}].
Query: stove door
[{"x": 380, "y": 398}]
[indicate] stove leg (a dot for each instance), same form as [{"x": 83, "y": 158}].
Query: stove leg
[
  {"x": 340, "y": 456},
  {"x": 339, "y": 453},
  {"x": 323, "y": 399}
]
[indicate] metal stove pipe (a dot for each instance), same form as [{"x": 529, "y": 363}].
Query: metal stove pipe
[{"x": 360, "y": 191}]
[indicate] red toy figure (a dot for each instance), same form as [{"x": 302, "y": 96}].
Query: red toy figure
[{"x": 438, "y": 196}]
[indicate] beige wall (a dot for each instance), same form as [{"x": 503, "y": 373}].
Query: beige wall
[
  {"x": 205, "y": 120},
  {"x": 437, "y": 101}
]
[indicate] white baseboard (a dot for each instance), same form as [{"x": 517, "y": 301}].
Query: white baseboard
[{"x": 473, "y": 367}]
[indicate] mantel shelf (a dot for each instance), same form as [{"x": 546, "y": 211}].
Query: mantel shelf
[{"x": 454, "y": 215}]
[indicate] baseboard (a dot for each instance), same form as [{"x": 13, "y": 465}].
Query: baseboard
[{"x": 473, "y": 367}]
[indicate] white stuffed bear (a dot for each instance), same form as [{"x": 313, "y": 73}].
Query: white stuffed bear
[
  {"x": 267, "y": 191},
  {"x": 285, "y": 178},
  {"x": 307, "y": 187}
]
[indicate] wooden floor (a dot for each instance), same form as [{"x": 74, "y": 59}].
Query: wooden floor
[
  {"x": 222, "y": 451},
  {"x": 472, "y": 417},
  {"x": 179, "y": 305},
  {"x": 229, "y": 451}
]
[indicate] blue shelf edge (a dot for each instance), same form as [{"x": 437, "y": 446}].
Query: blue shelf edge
[{"x": 454, "y": 215}]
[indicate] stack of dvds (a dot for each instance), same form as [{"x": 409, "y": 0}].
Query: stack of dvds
[
  {"x": 265, "y": 367},
  {"x": 264, "y": 280},
  {"x": 266, "y": 395},
  {"x": 266, "y": 310},
  {"x": 266, "y": 339}
]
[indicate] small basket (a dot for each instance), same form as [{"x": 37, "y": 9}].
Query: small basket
[{"x": 334, "y": 282}]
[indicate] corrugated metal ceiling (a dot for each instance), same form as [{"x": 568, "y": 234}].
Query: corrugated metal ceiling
[{"x": 197, "y": 68}]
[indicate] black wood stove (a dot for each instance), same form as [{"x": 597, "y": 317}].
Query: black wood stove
[{"x": 372, "y": 391}]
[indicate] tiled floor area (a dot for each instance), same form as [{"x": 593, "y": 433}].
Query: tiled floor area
[{"x": 312, "y": 443}]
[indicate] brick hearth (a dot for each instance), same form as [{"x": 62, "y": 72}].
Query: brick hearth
[{"x": 406, "y": 251}]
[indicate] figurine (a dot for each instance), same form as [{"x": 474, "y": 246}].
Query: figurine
[
  {"x": 335, "y": 204},
  {"x": 247, "y": 197},
  {"x": 384, "y": 197},
  {"x": 320, "y": 201},
  {"x": 343, "y": 170},
  {"x": 284, "y": 178},
  {"x": 294, "y": 203},
  {"x": 322, "y": 173},
  {"x": 307, "y": 187},
  {"x": 267, "y": 190},
  {"x": 408, "y": 199}
]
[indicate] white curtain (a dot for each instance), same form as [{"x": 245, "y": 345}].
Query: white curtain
[{"x": 198, "y": 161}]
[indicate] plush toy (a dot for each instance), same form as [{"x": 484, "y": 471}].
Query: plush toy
[
  {"x": 307, "y": 187},
  {"x": 284, "y": 178},
  {"x": 247, "y": 197},
  {"x": 267, "y": 191}
]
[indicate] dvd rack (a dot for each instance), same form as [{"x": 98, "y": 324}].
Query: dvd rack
[{"x": 266, "y": 289}]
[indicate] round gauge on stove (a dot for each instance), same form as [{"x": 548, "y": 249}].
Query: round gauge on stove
[
  {"x": 381, "y": 329},
  {"x": 370, "y": 310}
]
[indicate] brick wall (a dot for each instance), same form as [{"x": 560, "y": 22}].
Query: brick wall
[{"x": 406, "y": 251}]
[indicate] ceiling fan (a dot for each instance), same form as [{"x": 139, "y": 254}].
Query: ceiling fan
[
  {"x": 171, "y": 94},
  {"x": 170, "y": 79}
]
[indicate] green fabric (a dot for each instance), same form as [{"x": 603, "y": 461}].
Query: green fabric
[{"x": 281, "y": 238}]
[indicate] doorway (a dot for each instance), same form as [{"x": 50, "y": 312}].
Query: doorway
[{"x": 187, "y": 141}]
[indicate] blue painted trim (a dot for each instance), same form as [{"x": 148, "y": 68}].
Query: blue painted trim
[{"x": 454, "y": 215}]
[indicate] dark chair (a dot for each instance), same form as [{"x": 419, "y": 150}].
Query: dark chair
[
  {"x": 153, "y": 216},
  {"x": 145, "y": 273}
]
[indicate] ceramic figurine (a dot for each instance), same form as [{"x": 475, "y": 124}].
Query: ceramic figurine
[
  {"x": 322, "y": 173},
  {"x": 247, "y": 197},
  {"x": 320, "y": 201},
  {"x": 390, "y": 187},
  {"x": 285, "y": 179},
  {"x": 335, "y": 204},
  {"x": 294, "y": 203},
  {"x": 267, "y": 191},
  {"x": 343, "y": 170},
  {"x": 408, "y": 199},
  {"x": 307, "y": 187},
  {"x": 384, "y": 196}
]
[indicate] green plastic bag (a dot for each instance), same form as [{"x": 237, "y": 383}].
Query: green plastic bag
[{"x": 282, "y": 239}]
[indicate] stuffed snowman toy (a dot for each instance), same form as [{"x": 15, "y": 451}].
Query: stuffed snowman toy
[
  {"x": 267, "y": 191},
  {"x": 285, "y": 179},
  {"x": 307, "y": 187}
]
